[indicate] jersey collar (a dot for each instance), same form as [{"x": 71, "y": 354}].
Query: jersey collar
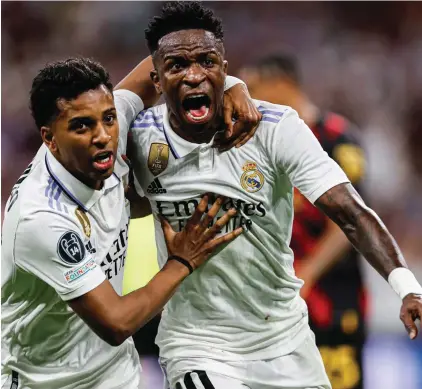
[
  {"x": 76, "y": 190},
  {"x": 179, "y": 147}
]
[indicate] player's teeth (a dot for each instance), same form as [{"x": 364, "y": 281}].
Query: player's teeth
[{"x": 104, "y": 160}]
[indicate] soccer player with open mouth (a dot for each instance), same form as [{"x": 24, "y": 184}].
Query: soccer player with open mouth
[{"x": 244, "y": 324}]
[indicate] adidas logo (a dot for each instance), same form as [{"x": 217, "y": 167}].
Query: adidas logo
[{"x": 155, "y": 187}]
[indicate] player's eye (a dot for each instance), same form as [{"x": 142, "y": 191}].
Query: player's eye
[
  {"x": 208, "y": 62},
  {"x": 79, "y": 126},
  {"x": 109, "y": 119},
  {"x": 176, "y": 66}
]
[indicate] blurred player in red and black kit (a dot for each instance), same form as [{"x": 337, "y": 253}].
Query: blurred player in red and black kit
[{"x": 324, "y": 258}]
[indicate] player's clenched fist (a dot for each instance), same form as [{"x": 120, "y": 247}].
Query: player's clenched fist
[{"x": 193, "y": 245}]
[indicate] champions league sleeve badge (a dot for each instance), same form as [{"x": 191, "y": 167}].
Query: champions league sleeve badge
[
  {"x": 158, "y": 158},
  {"x": 70, "y": 248}
]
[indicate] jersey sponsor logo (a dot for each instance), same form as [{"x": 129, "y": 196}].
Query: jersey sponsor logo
[
  {"x": 70, "y": 248},
  {"x": 90, "y": 248},
  {"x": 158, "y": 158},
  {"x": 182, "y": 210},
  {"x": 252, "y": 179},
  {"x": 114, "y": 262},
  {"x": 74, "y": 274},
  {"x": 155, "y": 187},
  {"x": 83, "y": 219}
]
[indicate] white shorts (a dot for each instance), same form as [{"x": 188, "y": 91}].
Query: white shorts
[{"x": 302, "y": 369}]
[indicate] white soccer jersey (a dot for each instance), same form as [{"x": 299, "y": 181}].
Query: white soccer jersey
[
  {"x": 244, "y": 302},
  {"x": 62, "y": 239}
]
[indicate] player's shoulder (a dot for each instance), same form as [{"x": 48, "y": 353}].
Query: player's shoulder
[
  {"x": 36, "y": 192},
  {"x": 272, "y": 114},
  {"x": 151, "y": 118}
]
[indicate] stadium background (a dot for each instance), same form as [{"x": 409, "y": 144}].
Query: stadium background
[{"x": 359, "y": 59}]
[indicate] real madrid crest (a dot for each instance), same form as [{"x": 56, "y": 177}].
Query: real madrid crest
[
  {"x": 252, "y": 179},
  {"x": 158, "y": 158},
  {"x": 83, "y": 219}
]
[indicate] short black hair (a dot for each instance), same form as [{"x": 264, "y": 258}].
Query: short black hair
[
  {"x": 280, "y": 64},
  {"x": 182, "y": 15},
  {"x": 65, "y": 79}
]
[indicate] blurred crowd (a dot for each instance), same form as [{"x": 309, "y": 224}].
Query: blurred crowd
[{"x": 358, "y": 59}]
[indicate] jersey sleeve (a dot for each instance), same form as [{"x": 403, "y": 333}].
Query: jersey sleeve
[
  {"x": 52, "y": 247},
  {"x": 128, "y": 105},
  {"x": 297, "y": 153}
]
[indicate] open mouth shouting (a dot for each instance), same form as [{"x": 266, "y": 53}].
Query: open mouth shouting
[
  {"x": 197, "y": 108},
  {"x": 103, "y": 160}
]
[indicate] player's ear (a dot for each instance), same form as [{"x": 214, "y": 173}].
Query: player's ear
[
  {"x": 225, "y": 67},
  {"x": 156, "y": 80},
  {"x": 48, "y": 138}
]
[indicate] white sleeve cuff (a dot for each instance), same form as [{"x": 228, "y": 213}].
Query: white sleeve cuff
[
  {"x": 404, "y": 282},
  {"x": 231, "y": 82}
]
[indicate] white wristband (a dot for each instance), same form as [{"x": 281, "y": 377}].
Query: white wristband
[
  {"x": 403, "y": 282},
  {"x": 231, "y": 82}
]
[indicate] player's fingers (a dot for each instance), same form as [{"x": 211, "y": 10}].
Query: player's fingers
[
  {"x": 409, "y": 324},
  {"x": 212, "y": 213},
  {"x": 225, "y": 238},
  {"x": 228, "y": 115},
  {"x": 167, "y": 229},
  {"x": 219, "y": 224},
  {"x": 247, "y": 137},
  {"x": 199, "y": 211}
]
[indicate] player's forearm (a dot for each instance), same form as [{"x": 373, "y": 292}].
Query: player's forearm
[
  {"x": 362, "y": 227},
  {"x": 140, "y": 306},
  {"x": 139, "y": 81}
]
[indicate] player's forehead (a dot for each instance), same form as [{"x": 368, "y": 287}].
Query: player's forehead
[
  {"x": 193, "y": 41},
  {"x": 90, "y": 103}
]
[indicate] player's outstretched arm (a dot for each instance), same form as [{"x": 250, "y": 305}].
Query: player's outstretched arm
[
  {"x": 114, "y": 318},
  {"x": 371, "y": 238}
]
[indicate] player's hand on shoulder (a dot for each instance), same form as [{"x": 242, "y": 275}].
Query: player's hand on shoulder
[
  {"x": 238, "y": 105},
  {"x": 194, "y": 244},
  {"x": 411, "y": 310}
]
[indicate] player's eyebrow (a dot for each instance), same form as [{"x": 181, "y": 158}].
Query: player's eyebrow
[
  {"x": 110, "y": 110},
  {"x": 173, "y": 56},
  {"x": 88, "y": 119}
]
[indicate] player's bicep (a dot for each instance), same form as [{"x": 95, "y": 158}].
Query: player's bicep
[
  {"x": 301, "y": 157},
  {"x": 52, "y": 247}
]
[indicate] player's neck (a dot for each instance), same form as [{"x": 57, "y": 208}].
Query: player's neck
[{"x": 195, "y": 133}]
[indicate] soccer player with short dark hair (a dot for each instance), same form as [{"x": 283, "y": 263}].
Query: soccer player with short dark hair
[
  {"x": 65, "y": 323},
  {"x": 239, "y": 322}
]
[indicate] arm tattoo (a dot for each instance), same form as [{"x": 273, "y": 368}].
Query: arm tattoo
[{"x": 363, "y": 228}]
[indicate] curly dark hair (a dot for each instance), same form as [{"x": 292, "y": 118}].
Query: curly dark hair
[
  {"x": 182, "y": 15},
  {"x": 65, "y": 79}
]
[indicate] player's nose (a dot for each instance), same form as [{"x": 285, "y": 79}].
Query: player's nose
[
  {"x": 194, "y": 75},
  {"x": 101, "y": 136}
]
